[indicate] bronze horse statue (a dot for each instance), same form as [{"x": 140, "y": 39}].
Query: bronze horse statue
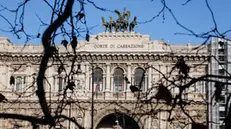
[
  {"x": 109, "y": 25},
  {"x": 121, "y": 24},
  {"x": 105, "y": 24},
  {"x": 112, "y": 24},
  {"x": 132, "y": 24}
]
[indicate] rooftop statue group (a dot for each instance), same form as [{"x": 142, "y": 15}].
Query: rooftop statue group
[{"x": 121, "y": 24}]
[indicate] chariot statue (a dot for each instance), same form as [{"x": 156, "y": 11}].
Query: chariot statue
[{"x": 121, "y": 23}]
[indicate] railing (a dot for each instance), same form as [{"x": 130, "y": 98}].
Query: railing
[
  {"x": 196, "y": 96},
  {"x": 86, "y": 95}
]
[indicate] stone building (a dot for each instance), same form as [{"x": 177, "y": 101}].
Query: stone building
[
  {"x": 219, "y": 65},
  {"x": 112, "y": 56}
]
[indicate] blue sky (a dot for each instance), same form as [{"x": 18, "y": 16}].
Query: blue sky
[{"x": 195, "y": 16}]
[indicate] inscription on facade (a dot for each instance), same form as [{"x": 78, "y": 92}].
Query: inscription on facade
[{"x": 118, "y": 46}]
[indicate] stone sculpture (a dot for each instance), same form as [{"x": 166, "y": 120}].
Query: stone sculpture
[{"x": 121, "y": 23}]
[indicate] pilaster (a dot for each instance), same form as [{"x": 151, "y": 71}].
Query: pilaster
[
  {"x": 149, "y": 76},
  {"x": 129, "y": 94},
  {"x": 87, "y": 75},
  {"x": 129, "y": 77},
  {"x": 112, "y": 82},
  {"x": 7, "y": 77},
  {"x": 108, "y": 83},
  {"x": 104, "y": 82},
  {"x": 107, "y": 89}
]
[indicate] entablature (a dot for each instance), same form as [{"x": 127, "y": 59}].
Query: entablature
[{"x": 165, "y": 57}]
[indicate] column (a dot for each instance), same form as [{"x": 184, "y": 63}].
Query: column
[
  {"x": 129, "y": 77},
  {"x": 87, "y": 75},
  {"x": 129, "y": 94},
  {"x": 104, "y": 82},
  {"x": 146, "y": 82},
  {"x": 29, "y": 78},
  {"x": 161, "y": 70},
  {"x": 149, "y": 85},
  {"x": 108, "y": 81},
  {"x": 108, "y": 74},
  {"x": 112, "y": 82},
  {"x": 7, "y": 75},
  {"x": 168, "y": 69},
  {"x": 90, "y": 82}
]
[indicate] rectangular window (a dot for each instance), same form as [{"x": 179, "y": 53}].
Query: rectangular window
[
  {"x": 221, "y": 58},
  {"x": 222, "y": 126},
  {"x": 175, "y": 90},
  {"x": 221, "y": 44},
  {"x": 221, "y": 71},
  {"x": 221, "y": 51},
  {"x": 20, "y": 82},
  {"x": 200, "y": 87},
  {"x": 58, "y": 83},
  {"x": 222, "y": 113},
  {"x": 222, "y": 99},
  {"x": 204, "y": 86}
]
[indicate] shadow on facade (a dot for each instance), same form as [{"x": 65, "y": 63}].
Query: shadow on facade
[{"x": 117, "y": 121}]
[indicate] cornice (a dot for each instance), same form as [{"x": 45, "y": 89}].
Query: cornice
[
  {"x": 120, "y": 36},
  {"x": 125, "y": 56},
  {"x": 98, "y": 102}
]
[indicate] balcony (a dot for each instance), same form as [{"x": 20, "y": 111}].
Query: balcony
[
  {"x": 197, "y": 96},
  {"x": 77, "y": 94}
]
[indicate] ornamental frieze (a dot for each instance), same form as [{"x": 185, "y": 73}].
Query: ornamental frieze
[
  {"x": 18, "y": 67},
  {"x": 108, "y": 57}
]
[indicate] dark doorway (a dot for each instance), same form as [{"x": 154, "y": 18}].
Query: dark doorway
[{"x": 124, "y": 121}]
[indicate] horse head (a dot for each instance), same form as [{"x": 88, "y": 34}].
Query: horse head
[{"x": 103, "y": 20}]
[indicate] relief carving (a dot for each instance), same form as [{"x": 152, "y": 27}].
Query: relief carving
[{"x": 18, "y": 68}]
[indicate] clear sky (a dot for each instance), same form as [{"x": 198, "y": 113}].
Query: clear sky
[{"x": 195, "y": 16}]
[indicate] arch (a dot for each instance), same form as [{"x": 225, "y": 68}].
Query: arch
[
  {"x": 138, "y": 67},
  {"x": 98, "y": 79},
  {"x": 100, "y": 67},
  {"x": 138, "y": 75},
  {"x": 113, "y": 69},
  {"x": 100, "y": 117},
  {"x": 118, "y": 78}
]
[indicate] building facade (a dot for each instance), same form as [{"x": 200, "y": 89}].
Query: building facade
[
  {"x": 219, "y": 64},
  {"x": 110, "y": 57}
]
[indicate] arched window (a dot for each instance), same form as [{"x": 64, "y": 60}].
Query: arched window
[
  {"x": 118, "y": 80},
  {"x": 98, "y": 79},
  {"x": 139, "y": 74}
]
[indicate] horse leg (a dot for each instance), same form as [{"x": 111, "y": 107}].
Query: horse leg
[
  {"x": 132, "y": 27},
  {"x": 106, "y": 29},
  {"x": 110, "y": 29}
]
